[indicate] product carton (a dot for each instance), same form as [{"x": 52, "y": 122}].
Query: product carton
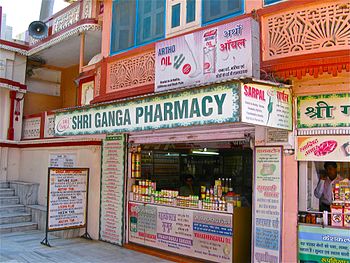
[
  {"x": 337, "y": 215},
  {"x": 347, "y": 215}
]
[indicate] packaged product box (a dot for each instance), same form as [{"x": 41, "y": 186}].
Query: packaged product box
[
  {"x": 337, "y": 215},
  {"x": 347, "y": 215},
  {"x": 347, "y": 194}
]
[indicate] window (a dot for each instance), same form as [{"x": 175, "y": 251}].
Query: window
[
  {"x": 190, "y": 11},
  {"x": 123, "y": 24},
  {"x": 214, "y": 10},
  {"x": 136, "y": 22},
  {"x": 175, "y": 15},
  {"x": 150, "y": 20},
  {"x": 269, "y": 2},
  {"x": 182, "y": 16}
]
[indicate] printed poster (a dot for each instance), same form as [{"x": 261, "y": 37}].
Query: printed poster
[
  {"x": 266, "y": 106},
  {"x": 63, "y": 160},
  {"x": 267, "y": 213},
  {"x": 174, "y": 229},
  {"x": 112, "y": 189},
  {"x": 67, "y": 198},
  {"x": 218, "y": 53},
  {"x": 323, "y": 244},
  {"x": 206, "y": 235},
  {"x": 323, "y": 148},
  {"x": 213, "y": 236}
]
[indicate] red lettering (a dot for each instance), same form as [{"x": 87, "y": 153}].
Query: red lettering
[{"x": 254, "y": 93}]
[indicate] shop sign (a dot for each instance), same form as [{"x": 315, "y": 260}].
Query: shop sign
[
  {"x": 214, "y": 104},
  {"x": 67, "y": 198},
  {"x": 204, "y": 235},
  {"x": 323, "y": 148},
  {"x": 267, "y": 211},
  {"x": 327, "y": 110},
  {"x": 267, "y": 106},
  {"x": 219, "y": 53},
  {"x": 112, "y": 189},
  {"x": 62, "y": 160},
  {"x": 323, "y": 244}
]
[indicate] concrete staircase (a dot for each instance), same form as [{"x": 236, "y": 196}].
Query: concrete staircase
[{"x": 13, "y": 215}]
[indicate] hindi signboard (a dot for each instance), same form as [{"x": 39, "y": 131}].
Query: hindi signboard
[
  {"x": 323, "y": 244},
  {"x": 267, "y": 213},
  {"x": 323, "y": 148},
  {"x": 112, "y": 189},
  {"x": 63, "y": 160},
  {"x": 225, "y": 52},
  {"x": 202, "y": 234},
  {"x": 326, "y": 110},
  {"x": 67, "y": 198},
  {"x": 266, "y": 105}
]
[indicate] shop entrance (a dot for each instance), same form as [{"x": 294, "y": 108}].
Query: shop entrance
[{"x": 193, "y": 199}]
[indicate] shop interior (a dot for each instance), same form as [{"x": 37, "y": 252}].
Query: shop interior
[
  {"x": 338, "y": 214},
  {"x": 215, "y": 172}
]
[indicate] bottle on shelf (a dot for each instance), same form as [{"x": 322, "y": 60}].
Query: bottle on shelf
[{"x": 230, "y": 188}]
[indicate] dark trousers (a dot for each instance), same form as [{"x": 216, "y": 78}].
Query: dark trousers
[{"x": 324, "y": 207}]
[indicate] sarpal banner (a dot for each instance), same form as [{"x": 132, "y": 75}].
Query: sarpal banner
[
  {"x": 225, "y": 52},
  {"x": 214, "y": 104}
]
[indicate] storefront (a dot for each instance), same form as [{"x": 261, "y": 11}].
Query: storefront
[
  {"x": 324, "y": 171},
  {"x": 178, "y": 169}
]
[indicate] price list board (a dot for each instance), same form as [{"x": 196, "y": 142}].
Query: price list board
[
  {"x": 112, "y": 189},
  {"x": 67, "y": 198},
  {"x": 267, "y": 212}
]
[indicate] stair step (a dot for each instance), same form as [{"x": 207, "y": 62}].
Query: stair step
[
  {"x": 7, "y": 192},
  {"x": 6, "y": 209},
  {"x": 4, "y": 185},
  {"x": 9, "y": 200},
  {"x": 17, "y": 227},
  {"x": 15, "y": 218}
]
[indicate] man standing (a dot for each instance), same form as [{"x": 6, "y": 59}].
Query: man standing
[{"x": 324, "y": 189}]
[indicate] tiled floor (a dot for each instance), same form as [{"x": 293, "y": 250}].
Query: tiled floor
[{"x": 26, "y": 247}]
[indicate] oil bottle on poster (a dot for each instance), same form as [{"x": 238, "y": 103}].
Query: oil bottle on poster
[{"x": 209, "y": 51}]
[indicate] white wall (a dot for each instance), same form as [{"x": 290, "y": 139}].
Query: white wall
[
  {"x": 34, "y": 164},
  {"x": 13, "y": 163},
  {"x": 4, "y": 112},
  {"x": 19, "y": 72}
]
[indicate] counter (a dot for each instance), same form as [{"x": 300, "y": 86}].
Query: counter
[{"x": 210, "y": 235}]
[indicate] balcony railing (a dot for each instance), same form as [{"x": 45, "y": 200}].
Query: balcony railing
[
  {"x": 38, "y": 126},
  {"x": 69, "y": 16},
  {"x": 309, "y": 29}
]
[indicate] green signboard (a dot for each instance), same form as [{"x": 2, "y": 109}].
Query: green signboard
[
  {"x": 213, "y": 104},
  {"x": 323, "y": 244},
  {"x": 327, "y": 110}
]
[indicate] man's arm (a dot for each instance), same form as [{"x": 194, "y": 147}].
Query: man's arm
[{"x": 319, "y": 188}]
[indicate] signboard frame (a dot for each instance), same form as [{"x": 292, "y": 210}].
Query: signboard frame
[
  {"x": 320, "y": 235},
  {"x": 110, "y": 137},
  {"x": 255, "y": 203},
  {"x": 321, "y": 109},
  {"x": 183, "y": 106},
  {"x": 260, "y": 101},
  {"x": 86, "y": 235},
  {"x": 322, "y": 148},
  {"x": 218, "y": 53}
]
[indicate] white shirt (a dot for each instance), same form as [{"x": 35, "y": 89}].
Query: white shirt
[{"x": 324, "y": 190}]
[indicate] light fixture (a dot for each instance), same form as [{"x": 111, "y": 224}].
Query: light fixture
[
  {"x": 205, "y": 152},
  {"x": 172, "y": 154}
]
